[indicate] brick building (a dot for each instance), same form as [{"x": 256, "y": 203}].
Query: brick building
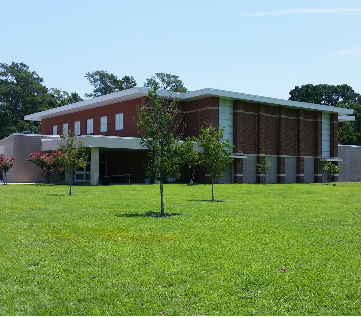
[{"x": 296, "y": 137}]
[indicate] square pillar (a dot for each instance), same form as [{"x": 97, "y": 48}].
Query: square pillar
[{"x": 94, "y": 166}]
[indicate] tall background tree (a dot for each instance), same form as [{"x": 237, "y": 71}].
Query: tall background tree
[
  {"x": 156, "y": 121},
  {"x": 21, "y": 93},
  {"x": 106, "y": 83},
  {"x": 334, "y": 95},
  {"x": 325, "y": 94},
  {"x": 167, "y": 82},
  {"x": 63, "y": 97}
]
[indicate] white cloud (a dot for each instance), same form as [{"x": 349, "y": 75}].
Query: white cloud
[
  {"x": 314, "y": 10},
  {"x": 351, "y": 51}
]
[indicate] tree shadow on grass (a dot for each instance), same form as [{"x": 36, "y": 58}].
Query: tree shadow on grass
[
  {"x": 207, "y": 200},
  {"x": 150, "y": 214}
]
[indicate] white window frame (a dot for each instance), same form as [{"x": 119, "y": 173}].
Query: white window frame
[
  {"x": 77, "y": 128},
  {"x": 89, "y": 126},
  {"x": 65, "y": 129},
  {"x": 119, "y": 121},
  {"x": 104, "y": 124},
  {"x": 55, "y": 129}
]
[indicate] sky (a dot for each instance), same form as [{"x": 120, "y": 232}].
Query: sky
[{"x": 258, "y": 47}]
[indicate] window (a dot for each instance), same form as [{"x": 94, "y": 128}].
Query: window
[
  {"x": 77, "y": 128},
  {"x": 65, "y": 129},
  {"x": 89, "y": 126},
  {"x": 119, "y": 121},
  {"x": 55, "y": 129},
  {"x": 103, "y": 124}
]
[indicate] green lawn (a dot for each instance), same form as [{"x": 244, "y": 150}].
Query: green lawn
[{"x": 95, "y": 253}]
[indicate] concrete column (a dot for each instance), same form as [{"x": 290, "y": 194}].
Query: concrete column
[
  {"x": 67, "y": 178},
  {"x": 94, "y": 166}
]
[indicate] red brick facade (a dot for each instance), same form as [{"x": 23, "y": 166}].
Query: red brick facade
[
  {"x": 128, "y": 108},
  {"x": 258, "y": 129},
  {"x": 281, "y": 131},
  {"x": 199, "y": 112}
]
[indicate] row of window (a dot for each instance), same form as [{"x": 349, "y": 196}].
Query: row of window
[{"x": 89, "y": 125}]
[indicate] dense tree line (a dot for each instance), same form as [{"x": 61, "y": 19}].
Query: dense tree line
[{"x": 334, "y": 95}]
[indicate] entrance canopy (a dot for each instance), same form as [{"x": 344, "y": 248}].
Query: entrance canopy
[
  {"x": 100, "y": 141},
  {"x": 90, "y": 141}
]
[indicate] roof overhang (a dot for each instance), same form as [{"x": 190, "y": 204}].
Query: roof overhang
[
  {"x": 331, "y": 159},
  {"x": 137, "y": 92},
  {"x": 108, "y": 99},
  {"x": 345, "y": 118},
  {"x": 208, "y": 92}
]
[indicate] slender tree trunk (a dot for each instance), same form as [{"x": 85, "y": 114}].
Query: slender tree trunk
[
  {"x": 161, "y": 181},
  {"x": 212, "y": 191},
  {"x": 161, "y": 199},
  {"x": 193, "y": 173},
  {"x": 71, "y": 179}
]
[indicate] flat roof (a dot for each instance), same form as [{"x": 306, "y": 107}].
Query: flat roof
[{"x": 137, "y": 92}]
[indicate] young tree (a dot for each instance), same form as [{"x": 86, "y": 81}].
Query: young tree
[
  {"x": 49, "y": 162},
  {"x": 5, "y": 166},
  {"x": 216, "y": 152},
  {"x": 72, "y": 156},
  {"x": 191, "y": 158},
  {"x": 106, "y": 83},
  {"x": 331, "y": 169},
  {"x": 167, "y": 82},
  {"x": 263, "y": 169},
  {"x": 156, "y": 120}
]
